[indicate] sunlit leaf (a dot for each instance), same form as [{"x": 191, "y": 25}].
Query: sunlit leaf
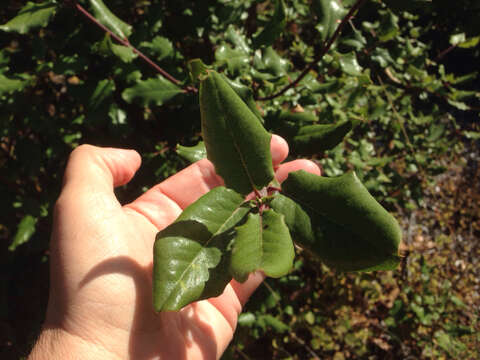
[
  {"x": 25, "y": 230},
  {"x": 11, "y": 85},
  {"x": 329, "y": 14},
  {"x": 188, "y": 252},
  {"x": 106, "y": 48},
  {"x": 160, "y": 46},
  {"x": 262, "y": 243},
  {"x": 236, "y": 142},
  {"x": 351, "y": 230},
  {"x": 192, "y": 153},
  {"x": 388, "y": 27},
  {"x": 31, "y": 16},
  {"x": 103, "y": 14},
  {"x": 349, "y": 64},
  {"x": 236, "y": 60},
  {"x": 154, "y": 91}
]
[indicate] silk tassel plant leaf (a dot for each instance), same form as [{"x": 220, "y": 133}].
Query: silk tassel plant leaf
[{"x": 227, "y": 235}]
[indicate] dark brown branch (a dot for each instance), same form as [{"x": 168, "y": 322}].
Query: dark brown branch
[
  {"x": 445, "y": 52},
  {"x": 322, "y": 53},
  {"x": 127, "y": 43}
]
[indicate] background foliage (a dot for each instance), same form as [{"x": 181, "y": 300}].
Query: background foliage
[{"x": 404, "y": 72}]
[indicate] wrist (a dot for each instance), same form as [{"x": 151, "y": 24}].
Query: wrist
[{"x": 56, "y": 343}]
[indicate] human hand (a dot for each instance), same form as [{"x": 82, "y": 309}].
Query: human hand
[{"x": 100, "y": 303}]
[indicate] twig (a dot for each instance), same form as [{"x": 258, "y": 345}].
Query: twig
[
  {"x": 127, "y": 43},
  {"x": 397, "y": 115},
  {"x": 304, "y": 344},
  {"x": 445, "y": 52},
  {"x": 322, "y": 53}
]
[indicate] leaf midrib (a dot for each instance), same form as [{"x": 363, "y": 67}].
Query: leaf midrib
[
  {"x": 219, "y": 230},
  {"x": 240, "y": 155},
  {"x": 329, "y": 219}
]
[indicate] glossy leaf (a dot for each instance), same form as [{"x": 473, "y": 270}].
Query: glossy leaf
[
  {"x": 31, "y": 16},
  {"x": 236, "y": 60},
  {"x": 273, "y": 28},
  {"x": 262, "y": 243},
  {"x": 320, "y": 137},
  {"x": 352, "y": 231},
  {"x": 192, "y": 153},
  {"x": 329, "y": 13},
  {"x": 349, "y": 64},
  {"x": 25, "y": 230},
  {"x": 103, "y": 14},
  {"x": 237, "y": 39},
  {"x": 154, "y": 91},
  {"x": 187, "y": 253},
  {"x": 273, "y": 62},
  {"x": 236, "y": 142}
]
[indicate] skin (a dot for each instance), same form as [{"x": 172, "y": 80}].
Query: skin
[{"x": 100, "y": 303}]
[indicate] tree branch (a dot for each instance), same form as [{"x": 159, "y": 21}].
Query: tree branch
[
  {"x": 322, "y": 53},
  {"x": 127, "y": 43}
]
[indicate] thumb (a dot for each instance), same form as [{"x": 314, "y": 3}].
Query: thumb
[{"x": 92, "y": 169}]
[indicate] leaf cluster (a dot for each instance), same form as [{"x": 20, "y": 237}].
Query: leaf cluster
[{"x": 404, "y": 74}]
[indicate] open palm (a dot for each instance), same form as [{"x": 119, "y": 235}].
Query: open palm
[{"x": 101, "y": 260}]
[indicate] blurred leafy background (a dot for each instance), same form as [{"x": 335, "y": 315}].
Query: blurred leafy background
[{"x": 404, "y": 72}]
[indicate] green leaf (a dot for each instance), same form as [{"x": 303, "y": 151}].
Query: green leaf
[
  {"x": 192, "y": 153},
  {"x": 457, "y": 38},
  {"x": 287, "y": 124},
  {"x": 106, "y": 47},
  {"x": 236, "y": 39},
  {"x": 273, "y": 62},
  {"x": 236, "y": 60},
  {"x": 389, "y": 27},
  {"x": 246, "y": 94},
  {"x": 9, "y": 86},
  {"x": 329, "y": 13},
  {"x": 276, "y": 324},
  {"x": 107, "y": 18},
  {"x": 151, "y": 91},
  {"x": 273, "y": 28},
  {"x": 25, "y": 230},
  {"x": 351, "y": 230},
  {"x": 31, "y": 16},
  {"x": 262, "y": 243},
  {"x": 188, "y": 254},
  {"x": 160, "y": 46},
  {"x": 98, "y": 105},
  {"x": 349, "y": 64},
  {"x": 317, "y": 138},
  {"x": 236, "y": 142},
  {"x": 197, "y": 70},
  {"x": 296, "y": 219},
  {"x": 470, "y": 42},
  {"x": 103, "y": 91}
]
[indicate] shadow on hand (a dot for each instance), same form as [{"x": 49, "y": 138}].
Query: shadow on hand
[{"x": 165, "y": 335}]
